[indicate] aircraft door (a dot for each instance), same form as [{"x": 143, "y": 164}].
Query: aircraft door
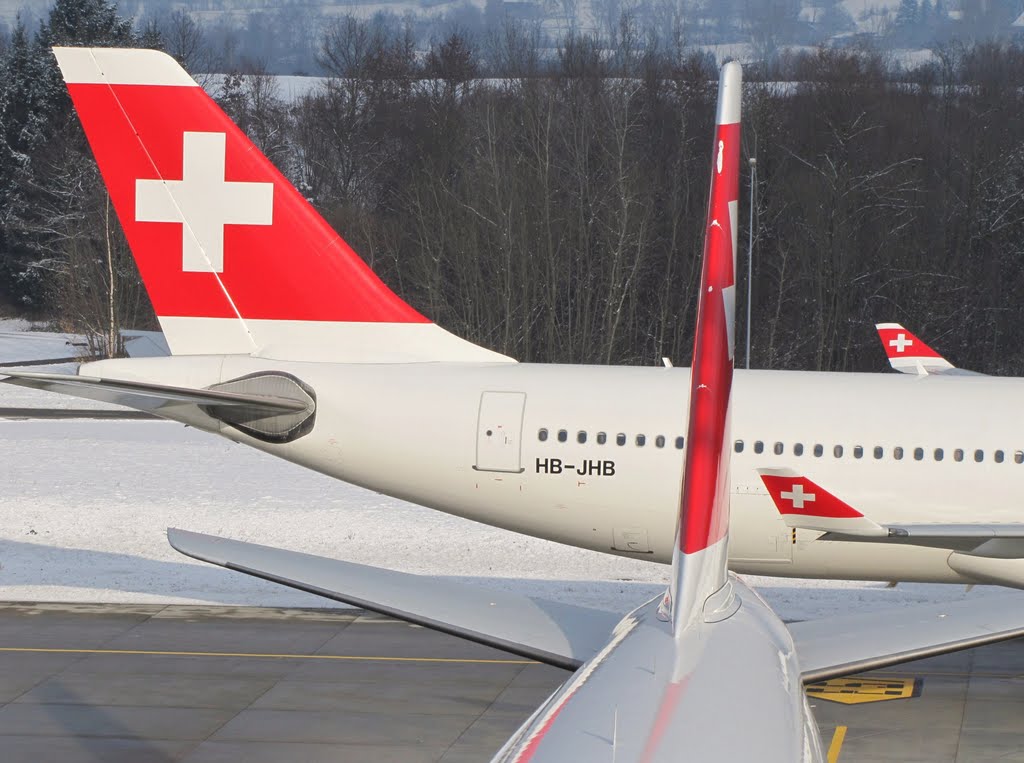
[{"x": 499, "y": 432}]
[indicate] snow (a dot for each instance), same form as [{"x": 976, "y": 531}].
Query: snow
[
  {"x": 24, "y": 342},
  {"x": 20, "y": 341},
  {"x": 86, "y": 505}
]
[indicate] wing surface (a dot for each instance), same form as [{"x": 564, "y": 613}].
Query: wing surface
[
  {"x": 839, "y": 646},
  {"x": 559, "y": 634}
]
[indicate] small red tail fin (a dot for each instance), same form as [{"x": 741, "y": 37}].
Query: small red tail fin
[
  {"x": 907, "y": 353},
  {"x": 233, "y": 257}
]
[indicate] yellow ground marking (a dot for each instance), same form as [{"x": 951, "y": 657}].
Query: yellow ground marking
[
  {"x": 350, "y": 657},
  {"x": 837, "y": 744},
  {"x": 861, "y": 689}
]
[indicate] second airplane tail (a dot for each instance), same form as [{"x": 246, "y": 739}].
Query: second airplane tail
[{"x": 235, "y": 260}]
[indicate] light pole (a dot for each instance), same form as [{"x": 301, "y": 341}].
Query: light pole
[{"x": 750, "y": 249}]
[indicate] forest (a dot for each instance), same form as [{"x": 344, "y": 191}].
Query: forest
[{"x": 547, "y": 201}]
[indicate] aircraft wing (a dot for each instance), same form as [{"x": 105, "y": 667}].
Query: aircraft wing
[
  {"x": 559, "y": 634},
  {"x": 839, "y": 646},
  {"x": 149, "y": 397},
  {"x": 995, "y": 541},
  {"x": 909, "y": 355}
]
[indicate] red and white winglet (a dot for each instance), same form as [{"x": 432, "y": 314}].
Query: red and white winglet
[
  {"x": 908, "y": 354},
  {"x": 700, "y": 556},
  {"x": 806, "y": 505}
]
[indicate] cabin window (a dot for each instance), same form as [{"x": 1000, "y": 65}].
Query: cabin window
[
  {"x": 998, "y": 456},
  {"x": 641, "y": 440},
  {"x": 837, "y": 451},
  {"x": 979, "y": 456},
  {"x": 897, "y": 453},
  {"x": 1018, "y": 457},
  {"x": 542, "y": 435},
  {"x": 602, "y": 438},
  {"x": 681, "y": 441},
  {"x": 858, "y": 451},
  {"x": 620, "y": 439},
  {"x": 878, "y": 452},
  {"x": 918, "y": 454},
  {"x": 939, "y": 454},
  {"x": 958, "y": 455},
  {"x": 758, "y": 446},
  {"x": 659, "y": 441},
  {"x": 738, "y": 446},
  {"x": 581, "y": 437},
  {"x": 798, "y": 449},
  {"x": 562, "y": 435},
  {"x": 819, "y": 451},
  {"x": 778, "y": 449}
]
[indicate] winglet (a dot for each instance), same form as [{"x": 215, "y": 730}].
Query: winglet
[
  {"x": 907, "y": 353},
  {"x": 806, "y": 505}
]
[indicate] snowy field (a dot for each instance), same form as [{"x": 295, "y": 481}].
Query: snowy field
[
  {"x": 19, "y": 341},
  {"x": 85, "y": 505}
]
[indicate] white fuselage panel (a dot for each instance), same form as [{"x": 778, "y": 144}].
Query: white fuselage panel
[{"x": 588, "y": 455}]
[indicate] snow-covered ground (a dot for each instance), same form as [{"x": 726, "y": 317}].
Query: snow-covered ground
[
  {"x": 85, "y": 505},
  {"x": 28, "y": 343},
  {"x": 21, "y": 342}
]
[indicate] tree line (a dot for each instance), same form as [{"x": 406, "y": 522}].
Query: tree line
[{"x": 553, "y": 210}]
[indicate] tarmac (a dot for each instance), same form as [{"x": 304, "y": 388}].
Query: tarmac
[{"x": 202, "y": 684}]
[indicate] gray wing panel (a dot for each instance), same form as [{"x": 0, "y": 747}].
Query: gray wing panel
[
  {"x": 997, "y": 541},
  {"x": 146, "y": 397},
  {"x": 558, "y": 634},
  {"x": 839, "y": 646}
]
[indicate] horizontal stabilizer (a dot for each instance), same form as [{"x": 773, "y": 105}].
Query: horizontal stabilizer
[
  {"x": 559, "y": 634},
  {"x": 839, "y": 646},
  {"x": 149, "y": 397}
]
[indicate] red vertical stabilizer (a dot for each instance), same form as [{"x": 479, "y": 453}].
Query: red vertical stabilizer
[{"x": 700, "y": 557}]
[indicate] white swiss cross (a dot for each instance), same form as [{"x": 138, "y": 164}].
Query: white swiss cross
[
  {"x": 204, "y": 202},
  {"x": 901, "y": 342},
  {"x": 797, "y": 496}
]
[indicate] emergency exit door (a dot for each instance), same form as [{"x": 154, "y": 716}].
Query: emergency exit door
[{"x": 499, "y": 432}]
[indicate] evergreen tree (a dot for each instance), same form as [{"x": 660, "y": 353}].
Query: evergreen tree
[
  {"x": 86, "y": 22},
  {"x": 23, "y": 133},
  {"x": 44, "y": 159}
]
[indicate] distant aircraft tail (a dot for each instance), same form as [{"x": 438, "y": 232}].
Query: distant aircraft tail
[
  {"x": 235, "y": 260},
  {"x": 908, "y": 354}
]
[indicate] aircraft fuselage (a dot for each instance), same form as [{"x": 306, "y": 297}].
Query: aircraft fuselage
[{"x": 590, "y": 455}]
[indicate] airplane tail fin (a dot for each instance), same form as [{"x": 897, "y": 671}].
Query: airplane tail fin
[
  {"x": 907, "y": 353},
  {"x": 699, "y": 584},
  {"x": 235, "y": 260}
]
